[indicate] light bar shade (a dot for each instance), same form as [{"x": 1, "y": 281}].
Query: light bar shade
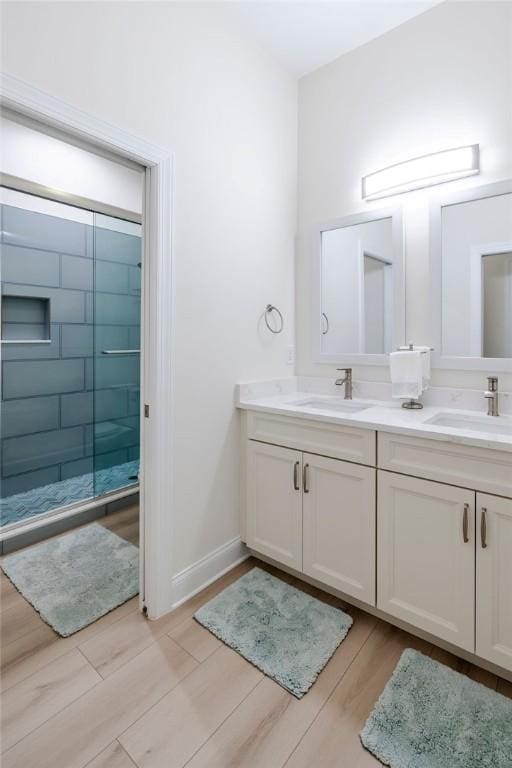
[{"x": 425, "y": 171}]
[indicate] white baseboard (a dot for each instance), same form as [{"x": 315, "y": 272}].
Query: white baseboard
[{"x": 199, "y": 575}]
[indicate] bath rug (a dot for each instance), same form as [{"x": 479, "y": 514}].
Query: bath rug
[
  {"x": 74, "y": 579},
  {"x": 284, "y": 632},
  {"x": 429, "y": 716}
]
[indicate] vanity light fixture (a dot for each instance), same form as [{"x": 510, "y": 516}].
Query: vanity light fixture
[{"x": 421, "y": 172}]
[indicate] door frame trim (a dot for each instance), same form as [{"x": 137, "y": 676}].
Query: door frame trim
[
  {"x": 157, "y": 358},
  {"x": 66, "y": 198}
]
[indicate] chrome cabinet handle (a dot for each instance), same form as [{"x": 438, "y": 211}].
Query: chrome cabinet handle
[
  {"x": 465, "y": 523},
  {"x": 296, "y": 476},
  {"x": 483, "y": 528},
  {"x": 305, "y": 478}
]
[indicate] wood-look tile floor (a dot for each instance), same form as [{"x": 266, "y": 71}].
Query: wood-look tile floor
[{"x": 128, "y": 692}]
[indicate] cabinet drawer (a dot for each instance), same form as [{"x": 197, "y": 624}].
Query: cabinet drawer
[
  {"x": 334, "y": 440},
  {"x": 468, "y": 466}
]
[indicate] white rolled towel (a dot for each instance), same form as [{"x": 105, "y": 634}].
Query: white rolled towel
[{"x": 406, "y": 369}]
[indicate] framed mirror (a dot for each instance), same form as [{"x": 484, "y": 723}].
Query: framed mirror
[
  {"x": 471, "y": 260},
  {"x": 358, "y": 288}
]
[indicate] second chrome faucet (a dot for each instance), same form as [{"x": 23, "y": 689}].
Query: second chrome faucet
[
  {"x": 492, "y": 396},
  {"x": 347, "y": 381}
]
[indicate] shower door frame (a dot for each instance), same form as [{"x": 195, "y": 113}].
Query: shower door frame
[{"x": 157, "y": 347}]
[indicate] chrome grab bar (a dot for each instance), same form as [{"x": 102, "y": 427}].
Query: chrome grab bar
[{"x": 120, "y": 352}]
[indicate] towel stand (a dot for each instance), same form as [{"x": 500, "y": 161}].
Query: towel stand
[
  {"x": 410, "y": 348},
  {"x": 413, "y": 405}
]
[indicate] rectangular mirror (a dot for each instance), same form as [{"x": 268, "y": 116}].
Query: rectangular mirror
[
  {"x": 358, "y": 302},
  {"x": 471, "y": 238}
]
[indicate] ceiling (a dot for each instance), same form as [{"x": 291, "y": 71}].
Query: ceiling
[{"x": 306, "y": 35}]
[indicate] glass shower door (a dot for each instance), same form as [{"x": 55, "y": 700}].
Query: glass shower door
[
  {"x": 117, "y": 315},
  {"x": 46, "y": 403}
]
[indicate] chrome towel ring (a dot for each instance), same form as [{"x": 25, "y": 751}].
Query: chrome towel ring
[{"x": 268, "y": 311}]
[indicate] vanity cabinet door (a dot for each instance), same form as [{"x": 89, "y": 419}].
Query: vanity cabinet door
[
  {"x": 274, "y": 503},
  {"x": 339, "y": 525},
  {"x": 426, "y": 561},
  {"x": 494, "y": 579}
]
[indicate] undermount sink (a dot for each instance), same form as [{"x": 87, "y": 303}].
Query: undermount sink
[
  {"x": 496, "y": 425},
  {"x": 331, "y": 404}
]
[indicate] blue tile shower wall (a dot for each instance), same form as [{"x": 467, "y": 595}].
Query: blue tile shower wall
[{"x": 64, "y": 412}]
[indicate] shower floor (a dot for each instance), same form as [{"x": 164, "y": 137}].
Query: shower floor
[{"x": 22, "y": 506}]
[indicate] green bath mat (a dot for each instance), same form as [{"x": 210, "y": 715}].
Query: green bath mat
[
  {"x": 74, "y": 579},
  {"x": 429, "y": 716},
  {"x": 287, "y": 634}
]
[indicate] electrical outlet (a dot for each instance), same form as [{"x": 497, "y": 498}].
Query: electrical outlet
[{"x": 290, "y": 355}]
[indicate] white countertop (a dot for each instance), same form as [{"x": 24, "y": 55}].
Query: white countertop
[{"x": 385, "y": 416}]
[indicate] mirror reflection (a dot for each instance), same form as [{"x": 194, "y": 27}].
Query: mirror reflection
[
  {"x": 357, "y": 288},
  {"x": 477, "y": 278}
]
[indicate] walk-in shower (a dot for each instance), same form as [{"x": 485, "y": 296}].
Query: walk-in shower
[{"x": 70, "y": 310}]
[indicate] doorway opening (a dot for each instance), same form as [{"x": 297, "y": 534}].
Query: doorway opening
[{"x": 155, "y": 267}]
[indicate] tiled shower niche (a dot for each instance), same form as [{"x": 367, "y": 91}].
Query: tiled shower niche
[
  {"x": 69, "y": 412},
  {"x": 25, "y": 319}
]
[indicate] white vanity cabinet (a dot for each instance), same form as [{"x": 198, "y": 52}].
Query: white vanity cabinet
[
  {"x": 418, "y": 530},
  {"x": 310, "y": 512},
  {"x": 494, "y": 579},
  {"x": 426, "y": 553}
]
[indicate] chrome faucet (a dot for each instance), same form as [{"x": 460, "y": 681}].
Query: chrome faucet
[
  {"x": 492, "y": 396},
  {"x": 347, "y": 381}
]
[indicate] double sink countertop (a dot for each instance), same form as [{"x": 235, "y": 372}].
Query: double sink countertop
[{"x": 466, "y": 427}]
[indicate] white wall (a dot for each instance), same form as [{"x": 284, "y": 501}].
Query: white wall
[
  {"x": 35, "y": 156},
  {"x": 178, "y": 74},
  {"x": 443, "y": 79}
]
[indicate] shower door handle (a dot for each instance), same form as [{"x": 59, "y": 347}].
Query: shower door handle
[{"x": 120, "y": 352}]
